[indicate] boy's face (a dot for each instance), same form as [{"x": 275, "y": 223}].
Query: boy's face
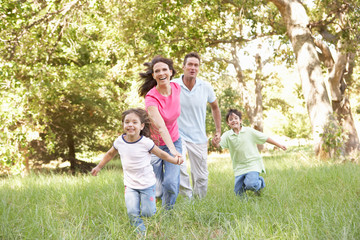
[{"x": 234, "y": 121}]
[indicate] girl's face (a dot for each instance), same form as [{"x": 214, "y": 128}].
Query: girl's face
[
  {"x": 234, "y": 121},
  {"x": 132, "y": 126},
  {"x": 162, "y": 73}
]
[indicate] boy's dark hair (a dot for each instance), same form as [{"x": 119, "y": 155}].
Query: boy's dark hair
[
  {"x": 192, "y": 54},
  {"x": 148, "y": 81},
  {"x": 144, "y": 118},
  {"x": 233, "y": 111}
]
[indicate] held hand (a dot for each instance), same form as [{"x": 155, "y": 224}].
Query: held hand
[
  {"x": 216, "y": 140},
  {"x": 95, "y": 171},
  {"x": 180, "y": 160}
]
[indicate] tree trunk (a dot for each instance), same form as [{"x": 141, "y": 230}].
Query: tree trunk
[
  {"x": 258, "y": 110},
  {"x": 313, "y": 85},
  {"x": 340, "y": 67},
  {"x": 71, "y": 147}
]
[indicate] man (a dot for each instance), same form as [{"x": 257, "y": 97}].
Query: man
[{"x": 195, "y": 94}]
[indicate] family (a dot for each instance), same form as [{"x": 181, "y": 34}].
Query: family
[{"x": 172, "y": 126}]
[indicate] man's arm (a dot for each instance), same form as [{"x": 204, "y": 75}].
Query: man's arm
[{"x": 215, "y": 110}]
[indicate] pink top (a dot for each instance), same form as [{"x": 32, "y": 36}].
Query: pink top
[{"x": 169, "y": 109}]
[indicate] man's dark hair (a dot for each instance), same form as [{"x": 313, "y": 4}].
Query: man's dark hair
[{"x": 192, "y": 54}]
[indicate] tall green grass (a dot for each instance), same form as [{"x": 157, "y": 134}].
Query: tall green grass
[{"x": 304, "y": 199}]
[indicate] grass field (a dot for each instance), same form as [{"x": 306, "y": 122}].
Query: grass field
[{"x": 304, "y": 199}]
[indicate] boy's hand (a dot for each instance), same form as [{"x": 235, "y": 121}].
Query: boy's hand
[
  {"x": 95, "y": 171},
  {"x": 215, "y": 141},
  {"x": 282, "y": 147}
]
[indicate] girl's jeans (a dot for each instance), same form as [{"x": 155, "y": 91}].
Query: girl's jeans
[
  {"x": 167, "y": 177},
  {"x": 140, "y": 203},
  {"x": 248, "y": 181}
]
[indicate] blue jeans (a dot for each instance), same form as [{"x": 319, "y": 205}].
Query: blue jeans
[
  {"x": 140, "y": 203},
  {"x": 167, "y": 177},
  {"x": 248, "y": 181}
]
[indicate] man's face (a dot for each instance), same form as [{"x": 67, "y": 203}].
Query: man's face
[{"x": 191, "y": 67}]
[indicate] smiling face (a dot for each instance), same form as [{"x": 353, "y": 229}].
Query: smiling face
[
  {"x": 132, "y": 126},
  {"x": 191, "y": 67},
  {"x": 234, "y": 122},
  {"x": 162, "y": 73}
]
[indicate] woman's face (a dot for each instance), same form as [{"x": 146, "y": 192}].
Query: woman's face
[{"x": 162, "y": 73}]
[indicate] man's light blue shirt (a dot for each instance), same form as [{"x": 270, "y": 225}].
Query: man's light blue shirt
[{"x": 193, "y": 110}]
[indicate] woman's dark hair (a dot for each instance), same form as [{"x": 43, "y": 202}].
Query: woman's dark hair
[
  {"x": 148, "y": 81},
  {"x": 144, "y": 118},
  {"x": 191, "y": 54},
  {"x": 232, "y": 111}
]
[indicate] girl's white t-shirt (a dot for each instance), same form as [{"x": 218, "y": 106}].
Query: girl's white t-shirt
[{"x": 135, "y": 159}]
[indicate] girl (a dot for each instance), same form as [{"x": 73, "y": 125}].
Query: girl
[
  {"x": 135, "y": 148},
  {"x": 162, "y": 102}
]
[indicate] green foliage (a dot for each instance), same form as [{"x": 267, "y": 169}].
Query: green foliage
[
  {"x": 67, "y": 67},
  {"x": 334, "y": 138},
  {"x": 62, "y": 84},
  {"x": 297, "y": 126}
]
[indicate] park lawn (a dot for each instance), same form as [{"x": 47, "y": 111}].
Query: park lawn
[{"x": 304, "y": 198}]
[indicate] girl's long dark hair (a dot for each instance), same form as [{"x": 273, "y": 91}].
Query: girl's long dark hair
[
  {"x": 144, "y": 118},
  {"x": 148, "y": 81}
]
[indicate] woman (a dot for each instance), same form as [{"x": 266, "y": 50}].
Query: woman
[{"x": 162, "y": 102}]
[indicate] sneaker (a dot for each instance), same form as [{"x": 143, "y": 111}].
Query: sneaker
[{"x": 257, "y": 193}]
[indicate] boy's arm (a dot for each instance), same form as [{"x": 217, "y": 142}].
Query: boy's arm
[
  {"x": 273, "y": 142},
  {"x": 107, "y": 157},
  {"x": 167, "y": 157}
]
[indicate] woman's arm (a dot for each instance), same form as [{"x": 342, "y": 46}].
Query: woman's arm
[
  {"x": 159, "y": 123},
  {"x": 167, "y": 157},
  {"x": 107, "y": 157}
]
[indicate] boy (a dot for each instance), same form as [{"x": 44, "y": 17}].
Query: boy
[{"x": 247, "y": 161}]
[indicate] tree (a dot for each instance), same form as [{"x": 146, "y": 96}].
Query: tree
[
  {"x": 314, "y": 89},
  {"x": 60, "y": 83},
  {"x": 336, "y": 26}
]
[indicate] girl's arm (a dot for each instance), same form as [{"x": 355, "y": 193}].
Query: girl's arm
[
  {"x": 165, "y": 156},
  {"x": 273, "y": 142},
  {"x": 107, "y": 157},
  {"x": 159, "y": 123}
]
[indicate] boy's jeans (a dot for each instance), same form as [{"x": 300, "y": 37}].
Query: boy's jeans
[
  {"x": 248, "y": 181},
  {"x": 167, "y": 177},
  {"x": 140, "y": 203}
]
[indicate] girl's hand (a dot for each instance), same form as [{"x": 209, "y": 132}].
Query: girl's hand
[
  {"x": 95, "y": 171},
  {"x": 180, "y": 160}
]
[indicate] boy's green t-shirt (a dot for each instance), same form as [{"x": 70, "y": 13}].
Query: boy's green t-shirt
[{"x": 244, "y": 153}]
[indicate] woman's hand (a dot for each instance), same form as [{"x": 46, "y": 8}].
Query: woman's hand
[{"x": 180, "y": 159}]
